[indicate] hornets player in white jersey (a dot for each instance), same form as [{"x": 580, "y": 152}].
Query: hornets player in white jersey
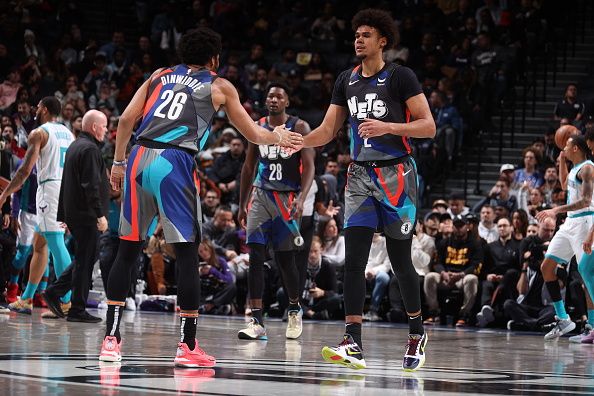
[
  {"x": 569, "y": 239},
  {"x": 47, "y": 147}
]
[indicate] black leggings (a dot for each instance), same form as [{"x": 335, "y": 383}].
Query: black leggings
[
  {"x": 288, "y": 269},
  {"x": 358, "y": 242},
  {"x": 188, "y": 280}
]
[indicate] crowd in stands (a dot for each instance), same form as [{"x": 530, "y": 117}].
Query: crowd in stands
[{"x": 466, "y": 54}]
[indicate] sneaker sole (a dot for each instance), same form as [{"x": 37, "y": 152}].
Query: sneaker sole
[
  {"x": 192, "y": 365},
  {"x": 332, "y": 357},
  {"x": 21, "y": 311},
  {"x": 243, "y": 336},
  {"x": 568, "y": 329},
  {"x": 112, "y": 359}
]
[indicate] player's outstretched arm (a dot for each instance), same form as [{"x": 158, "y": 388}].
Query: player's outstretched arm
[
  {"x": 422, "y": 126},
  {"x": 246, "y": 181},
  {"x": 333, "y": 120},
  {"x": 35, "y": 142},
  {"x": 225, "y": 94}
]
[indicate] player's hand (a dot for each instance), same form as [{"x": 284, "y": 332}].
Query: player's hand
[
  {"x": 102, "y": 224},
  {"x": 297, "y": 208},
  {"x": 5, "y": 221},
  {"x": 371, "y": 128},
  {"x": 116, "y": 177},
  {"x": 542, "y": 215},
  {"x": 587, "y": 245},
  {"x": 288, "y": 139},
  {"x": 561, "y": 156},
  {"x": 242, "y": 217}
]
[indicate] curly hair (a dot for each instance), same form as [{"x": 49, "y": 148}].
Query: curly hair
[
  {"x": 378, "y": 19},
  {"x": 198, "y": 46}
]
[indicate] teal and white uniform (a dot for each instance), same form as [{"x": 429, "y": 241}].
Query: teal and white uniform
[
  {"x": 50, "y": 166},
  {"x": 568, "y": 241}
]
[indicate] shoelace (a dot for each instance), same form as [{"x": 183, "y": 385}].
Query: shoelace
[{"x": 412, "y": 345}]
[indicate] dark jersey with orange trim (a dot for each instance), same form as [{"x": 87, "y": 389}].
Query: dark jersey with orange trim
[
  {"x": 277, "y": 170},
  {"x": 382, "y": 96},
  {"x": 178, "y": 110}
]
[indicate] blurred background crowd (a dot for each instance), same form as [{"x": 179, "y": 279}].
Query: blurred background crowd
[{"x": 478, "y": 258}]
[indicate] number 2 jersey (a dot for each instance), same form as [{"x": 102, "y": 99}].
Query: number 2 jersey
[
  {"x": 168, "y": 118},
  {"x": 382, "y": 97},
  {"x": 278, "y": 171}
]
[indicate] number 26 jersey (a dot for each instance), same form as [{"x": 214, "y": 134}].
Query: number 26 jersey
[
  {"x": 178, "y": 111},
  {"x": 278, "y": 171}
]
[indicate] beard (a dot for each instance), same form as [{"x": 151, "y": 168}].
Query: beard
[{"x": 361, "y": 56}]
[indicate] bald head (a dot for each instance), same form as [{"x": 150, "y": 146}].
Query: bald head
[{"x": 94, "y": 122}]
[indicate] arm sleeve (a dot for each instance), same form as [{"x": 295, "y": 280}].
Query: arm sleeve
[
  {"x": 339, "y": 94},
  {"x": 90, "y": 179},
  {"x": 404, "y": 83}
]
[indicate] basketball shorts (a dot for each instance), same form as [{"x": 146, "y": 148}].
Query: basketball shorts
[
  {"x": 269, "y": 219},
  {"x": 48, "y": 196},
  {"x": 160, "y": 184},
  {"x": 568, "y": 240},
  {"x": 382, "y": 198},
  {"x": 28, "y": 224}
]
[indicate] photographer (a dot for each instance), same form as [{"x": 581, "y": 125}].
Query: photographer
[
  {"x": 499, "y": 196},
  {"x": 532, "y": 310}
]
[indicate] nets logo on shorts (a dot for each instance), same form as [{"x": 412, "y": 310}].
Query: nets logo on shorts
[{"x": 406, "y": 228}]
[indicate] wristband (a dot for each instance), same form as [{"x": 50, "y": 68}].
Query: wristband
[
  {"x": 280, "y": 138},
  {"x": 524, "y": 271},
  {"x": 119, "y": 163}
]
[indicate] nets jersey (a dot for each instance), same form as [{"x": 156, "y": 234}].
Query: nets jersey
[
  {"x": 383, "y": 97},
  {"x": 50, "y": 163},
  {"x": 278, "y": 171},
  {"x": 574, "y": 190},
  {"x": 178, "y": 110}
]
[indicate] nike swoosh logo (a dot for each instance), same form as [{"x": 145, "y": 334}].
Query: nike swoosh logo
[
  {"x": 353, "y": 82},
  {"x": 379, "y": 80},
  {"x": 351, "y": 353},
  {"x": 406, "y": 173}
]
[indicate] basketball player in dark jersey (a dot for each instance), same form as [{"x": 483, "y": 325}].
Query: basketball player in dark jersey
[
  {"x": 176, "y": 106},
  {"x": 385, "y": 107},
  {"x": 272, "y": 202}
]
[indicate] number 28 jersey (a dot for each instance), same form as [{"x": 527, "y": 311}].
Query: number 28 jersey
[
  {"x": 178, "y": 109},
  {"x": 277, "y": 170}
]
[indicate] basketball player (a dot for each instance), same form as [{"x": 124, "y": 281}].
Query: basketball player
[
  {"x": 176, "y": 105},
  {"x": 381, "y": 193},
  {"x": 570, "y": 238},
  {"x": 276, "y": 201},
  {"x": 23, "y": 224},
  {"x": 47, "y": 146}
]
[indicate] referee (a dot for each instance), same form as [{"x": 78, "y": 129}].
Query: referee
[{"x": 84, "y": 204}]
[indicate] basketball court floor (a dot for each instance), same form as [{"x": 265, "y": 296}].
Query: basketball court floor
[{"x": 45, "y": 357}]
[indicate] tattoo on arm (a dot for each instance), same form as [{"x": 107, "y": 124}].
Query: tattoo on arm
[{"x": 587, "y": 176}]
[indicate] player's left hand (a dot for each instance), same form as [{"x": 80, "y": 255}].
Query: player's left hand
[
  {"x": 587, "y": 245},
  {"x": 541, "y": 216},
  {"x": 297, "y": 208},
  {"x": 5, "y": 221},
  {"x": 371, "y": 128},
  {"x": 116, "y": 177}
]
